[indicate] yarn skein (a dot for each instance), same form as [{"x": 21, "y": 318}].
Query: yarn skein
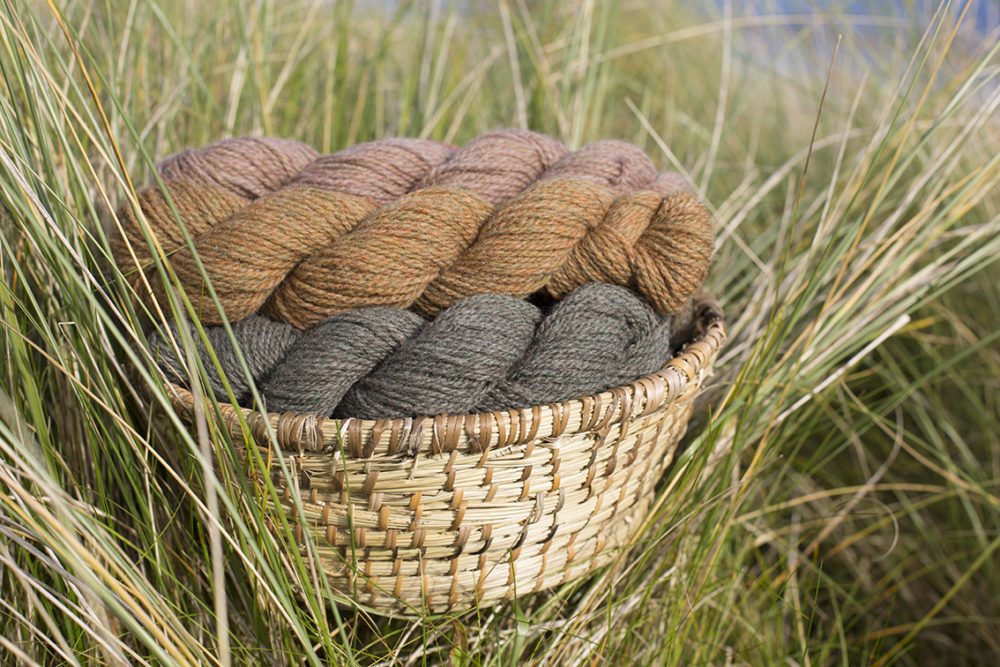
[
  {"x": 230, "y": 174},
  {"x": 264, "y": 344},
  {"x": 452, "y": 363},
  {"x": 272, "y": 210},
  {"x": 485, "y": 353},
  {"x": 248, "y": 167},
  {"x": 435, "y": 246}
]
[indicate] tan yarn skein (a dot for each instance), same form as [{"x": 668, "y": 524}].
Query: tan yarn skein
[
  {"x": 257, "y": 207},
  {"x": 424, "y": 251},
  {"x": 201, "y": 207},
  {"x": 436, "y": 246},
  {"x": 386, "y": 261},
  {"x": 252, "y": 266}
]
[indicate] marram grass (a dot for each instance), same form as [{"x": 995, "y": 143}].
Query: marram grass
[{"x": 852, "y": 163}]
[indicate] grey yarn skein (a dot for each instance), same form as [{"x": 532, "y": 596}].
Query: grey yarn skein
[
  {"x": 314, "y": 375},
  {"x": 453, "y": 362},
  {"x": 264, "y": 344},
  {"x": 598, "y": 336},
  {"x": 485, "y": 353}
]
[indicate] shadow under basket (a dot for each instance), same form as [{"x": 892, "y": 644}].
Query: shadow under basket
[{"x": 445, "y": 513}]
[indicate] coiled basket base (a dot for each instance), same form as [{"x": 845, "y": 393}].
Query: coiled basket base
[{"x": 445, "y": 513}]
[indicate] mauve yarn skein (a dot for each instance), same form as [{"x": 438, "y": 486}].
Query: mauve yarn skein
[
  {"x": 487, "y": 352},
  {"x": 248, "y": 167}
]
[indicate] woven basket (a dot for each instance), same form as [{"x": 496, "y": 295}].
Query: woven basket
[{"x": 445, "y": 513}]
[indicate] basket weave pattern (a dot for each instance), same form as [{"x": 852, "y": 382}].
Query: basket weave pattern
[{"x": 444, "y": 513}]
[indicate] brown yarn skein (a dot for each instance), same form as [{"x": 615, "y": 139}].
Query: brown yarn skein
[
  {"x": 224, "y": 191},
  {"x": 437, "y": 246}
]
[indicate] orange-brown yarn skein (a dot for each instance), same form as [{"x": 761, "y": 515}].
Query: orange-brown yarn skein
[
  {"x": 437, "y": 246},
  {"x": 210, "y": 185},
  {"x": 309, "y": 229}
]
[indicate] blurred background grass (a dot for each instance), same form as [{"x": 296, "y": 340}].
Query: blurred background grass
[{"x": 851, "y": 157}]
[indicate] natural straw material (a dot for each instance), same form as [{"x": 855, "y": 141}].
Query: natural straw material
[
  {"x": 487, "y": 352},
  {"x": 446, "y": 513},
  {"x": 510, "y": 213}
]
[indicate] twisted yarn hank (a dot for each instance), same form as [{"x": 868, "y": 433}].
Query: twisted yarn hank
[
  {"x": 436, "y": 246},
  {"x": 284, "y": 207},
  {"x": 228, "y": 175},
  {"x": 248, "y": 167},
  {"x": 485, "y": 353},
  {"x": 264, "y": 344}
]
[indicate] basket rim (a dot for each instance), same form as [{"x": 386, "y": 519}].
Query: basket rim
[{"x": 479, "y": 433}]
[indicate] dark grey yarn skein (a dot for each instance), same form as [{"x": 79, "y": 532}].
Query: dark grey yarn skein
[
  {"x": 452, "y": 364},
  {"x": 598, "y": 336},
  {"x": 334, "y": 355},
  {"x": 264, "y": 343},
  {"x": 488, "y": 352}
]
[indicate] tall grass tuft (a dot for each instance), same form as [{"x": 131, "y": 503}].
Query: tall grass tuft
[{"x": 851, "y": 513}]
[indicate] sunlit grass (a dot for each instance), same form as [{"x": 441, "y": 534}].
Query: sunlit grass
[{"x": 854, "y": 514}]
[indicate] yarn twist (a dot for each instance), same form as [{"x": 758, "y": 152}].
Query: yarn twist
[
  {"x": 485, "y": 353},
  {"x": 436, "y": 246},
  {"x": 259, "y": 210},
  {"x": 238, "y": 171}
]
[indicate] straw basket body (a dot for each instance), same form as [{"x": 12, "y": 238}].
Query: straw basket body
[{"x": 449, "y": 512}]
